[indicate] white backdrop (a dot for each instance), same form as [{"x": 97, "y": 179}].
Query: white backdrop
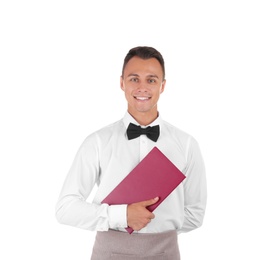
[{"x": 60, "y": 63}]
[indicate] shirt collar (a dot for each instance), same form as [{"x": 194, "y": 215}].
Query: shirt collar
[{"x": 127, "y": 119}]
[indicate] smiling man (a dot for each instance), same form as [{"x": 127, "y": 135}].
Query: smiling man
[
  {"x": 109, "y": 154},
  {"x": 143, "y": 81}
]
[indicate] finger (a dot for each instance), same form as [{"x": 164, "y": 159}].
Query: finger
[
  {"x": 152, "y": 216},
  {"x": 149, "y": 202}
]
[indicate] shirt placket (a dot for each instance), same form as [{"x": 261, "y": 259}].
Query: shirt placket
[
  {"x": 143, "y": 151},
  {"x": 143, "y": 146}
]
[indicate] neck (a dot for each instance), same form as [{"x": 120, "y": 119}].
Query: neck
[{"x": 144, "y": 118}]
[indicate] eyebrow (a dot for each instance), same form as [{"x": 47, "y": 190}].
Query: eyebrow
[{"x": 148, "y": 76}]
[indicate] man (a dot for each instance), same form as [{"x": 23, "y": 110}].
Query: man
[{"x": 109, "y": 154}]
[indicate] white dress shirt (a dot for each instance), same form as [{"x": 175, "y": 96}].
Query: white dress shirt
[{"x": 107, "y": 156}]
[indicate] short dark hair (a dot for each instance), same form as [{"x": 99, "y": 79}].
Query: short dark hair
[{"x": 145, "y": 53}]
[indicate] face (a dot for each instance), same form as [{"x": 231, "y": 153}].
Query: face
[{"x": 142, "y": 83}]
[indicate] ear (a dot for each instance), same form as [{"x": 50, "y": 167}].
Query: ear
[
  {"x": 122, "y": 83},
  {"x": 162, "y": 86}
]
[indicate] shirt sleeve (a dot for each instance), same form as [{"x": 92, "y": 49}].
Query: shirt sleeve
[
  {"x": 195, "y": 188},
  {"x": 73, "y": 209}
]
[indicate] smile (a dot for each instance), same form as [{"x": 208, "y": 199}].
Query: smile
[{"x": 142, "y": 98}]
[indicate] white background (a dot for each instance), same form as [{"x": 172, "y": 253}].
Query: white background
[{"x": 60, "y": 63}]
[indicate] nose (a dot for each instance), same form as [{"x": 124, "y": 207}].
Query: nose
[{"x": 142, "y": 87}]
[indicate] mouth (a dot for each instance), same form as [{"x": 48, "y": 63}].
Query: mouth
[{"x": 142, "y": 98}]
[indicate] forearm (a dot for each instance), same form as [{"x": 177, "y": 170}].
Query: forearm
[
  {"x": 74, "y": 211},
  {"x": 193, "y": 217}
]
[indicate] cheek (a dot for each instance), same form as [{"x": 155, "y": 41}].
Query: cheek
[{"x": 128, "y": 94}]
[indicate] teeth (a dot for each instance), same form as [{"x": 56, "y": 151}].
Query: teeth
[{"x": 142, "y": 98}]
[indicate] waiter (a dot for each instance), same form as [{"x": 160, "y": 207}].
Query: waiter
[{"x": 109, "y": 154}]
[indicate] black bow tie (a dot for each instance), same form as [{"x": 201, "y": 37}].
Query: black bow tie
[{"x": 134, "y": 131}]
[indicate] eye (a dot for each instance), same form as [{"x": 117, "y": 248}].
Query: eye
[
  {"x": 152, "y": 80},
  {"x": 134, "y": 79}
]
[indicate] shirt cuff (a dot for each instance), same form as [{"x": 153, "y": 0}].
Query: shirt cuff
[{"x": 117, "y": 216}]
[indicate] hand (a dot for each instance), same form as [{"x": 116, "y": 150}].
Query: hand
[{"x": 138, "y": 216}]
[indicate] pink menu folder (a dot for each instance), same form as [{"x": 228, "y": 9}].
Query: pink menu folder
[{"x": 154, "y": 176}]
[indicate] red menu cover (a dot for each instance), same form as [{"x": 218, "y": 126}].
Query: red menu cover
[{"x": 154, "y": 176}]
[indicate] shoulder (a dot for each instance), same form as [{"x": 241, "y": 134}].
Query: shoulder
[
  {"x": 174, "y": 131},
  {"x": 106, "y": 132},
  {"x": 179, "y": 136}
]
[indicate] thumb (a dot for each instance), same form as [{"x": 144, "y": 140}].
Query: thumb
[{"x": 147, "y": 203}]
